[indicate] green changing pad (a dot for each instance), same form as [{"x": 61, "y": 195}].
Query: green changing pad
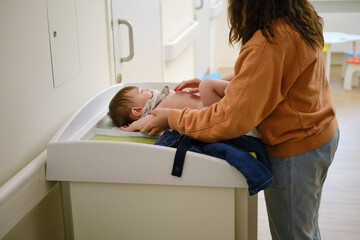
[
  {"x": 133, "y": 139},
  {"x": 106, "y": 131},
  {"x": 124, "y": 139}
]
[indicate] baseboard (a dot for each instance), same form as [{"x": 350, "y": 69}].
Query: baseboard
[{"x": 22, "y": 193}]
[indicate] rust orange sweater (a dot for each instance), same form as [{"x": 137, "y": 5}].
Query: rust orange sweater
[{"x": 280, "y": 88}]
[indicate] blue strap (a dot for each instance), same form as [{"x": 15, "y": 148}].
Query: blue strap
[{"x": 184, "y": 144}]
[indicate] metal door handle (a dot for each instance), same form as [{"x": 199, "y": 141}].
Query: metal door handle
[{"x": 131, "y": 40}]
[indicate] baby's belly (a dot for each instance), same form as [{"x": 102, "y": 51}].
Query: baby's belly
[{"x": 180, "y": 100}]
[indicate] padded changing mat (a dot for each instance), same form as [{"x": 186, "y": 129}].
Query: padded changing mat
[
  {"x": 146, "y": 140},
  {"x": 107, "y": 131}
]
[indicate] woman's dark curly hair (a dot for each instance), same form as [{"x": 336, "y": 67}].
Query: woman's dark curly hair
[{"x": 245, "y": 17}]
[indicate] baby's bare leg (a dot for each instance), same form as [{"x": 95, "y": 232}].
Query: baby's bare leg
[{"x": 212, "y": 90}]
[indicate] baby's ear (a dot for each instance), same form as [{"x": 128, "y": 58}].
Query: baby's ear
[{"x": 137, "y": 111}]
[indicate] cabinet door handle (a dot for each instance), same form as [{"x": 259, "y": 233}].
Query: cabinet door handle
[{"x": 131, "y": 40}]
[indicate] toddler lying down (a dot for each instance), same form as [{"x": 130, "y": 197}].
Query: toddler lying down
[{"x": 130, "y": 109}]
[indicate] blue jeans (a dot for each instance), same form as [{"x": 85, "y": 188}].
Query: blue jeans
[
  {"x": 293, "y": 199},
  {"x": 257, "y": 171}
]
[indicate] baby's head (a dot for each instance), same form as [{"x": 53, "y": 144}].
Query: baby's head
[{"x": 127, "y": 105}]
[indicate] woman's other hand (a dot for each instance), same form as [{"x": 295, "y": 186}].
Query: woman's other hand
[
  {"x": 158, "y": 123},
  {"x": 192, "y": 84},
  {"x": 126, "y": 128}
]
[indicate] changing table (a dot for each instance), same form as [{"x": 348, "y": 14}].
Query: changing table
[{"x": 124, "y": 190}]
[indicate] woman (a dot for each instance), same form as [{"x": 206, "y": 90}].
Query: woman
[{"x": 279, "y": 87}]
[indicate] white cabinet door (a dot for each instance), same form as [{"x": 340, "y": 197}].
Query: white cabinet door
[
  {"x": 63, "y": 40},
  {"x": 154, "y": 40},
  {"x": 144, "y": 18}
]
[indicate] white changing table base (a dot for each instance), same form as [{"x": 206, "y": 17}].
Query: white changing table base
[{"x": 160, "y": 212}]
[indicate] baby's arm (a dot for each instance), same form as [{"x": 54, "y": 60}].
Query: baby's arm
[{"x": 138, "y": 124}]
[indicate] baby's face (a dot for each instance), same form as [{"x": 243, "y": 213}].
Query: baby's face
[{"x": 140, "y": 96}]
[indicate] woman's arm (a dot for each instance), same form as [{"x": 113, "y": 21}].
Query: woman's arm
[
  {"x": 159, "y": 123},
  {"x": 250, "y": 97}
]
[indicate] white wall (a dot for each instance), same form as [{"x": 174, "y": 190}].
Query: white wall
[
  {"x": 31, "y": 109},
  {"x": 339, "y": 16},
  {"x": 176, "y": 18},
  {"x": 224, "y": 54}
]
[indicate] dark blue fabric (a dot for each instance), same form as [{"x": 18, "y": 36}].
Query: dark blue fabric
[
  {"x": 257, "y": 171},
  {"x": 183, "y": 146}
]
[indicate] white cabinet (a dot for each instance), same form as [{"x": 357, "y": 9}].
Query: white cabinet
[
  {"x": 144, "y": 21},
  {"x": 49, "y": 28},
  {"x": 153, "y": 40},
  {"x": 63, "y": 40}
]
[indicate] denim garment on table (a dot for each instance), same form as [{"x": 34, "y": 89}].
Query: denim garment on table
[{"x": 257, "y": 171}]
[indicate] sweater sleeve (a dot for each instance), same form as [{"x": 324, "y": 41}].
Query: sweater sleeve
[{"x": 251, "y": 96}]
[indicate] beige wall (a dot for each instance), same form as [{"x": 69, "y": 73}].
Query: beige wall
[{"x": 31, "y": 109}]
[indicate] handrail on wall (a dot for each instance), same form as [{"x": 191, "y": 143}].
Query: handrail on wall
[
  {"x": 215, "y": 9},
  {"x": 174, "y": 48},
  {"x": 20, "y": 194}
]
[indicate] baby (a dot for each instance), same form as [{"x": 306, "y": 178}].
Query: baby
[{"x": 130, "y": 108}]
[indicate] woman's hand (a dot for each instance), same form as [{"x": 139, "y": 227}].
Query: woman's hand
[
  {"x": 130, "y": 127},
  {"x": 192, "y": 84},
  {"x": 126, "y": 128},
  {"x": 158, "y": 123},
  {"x": 138, "y": 124}
]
